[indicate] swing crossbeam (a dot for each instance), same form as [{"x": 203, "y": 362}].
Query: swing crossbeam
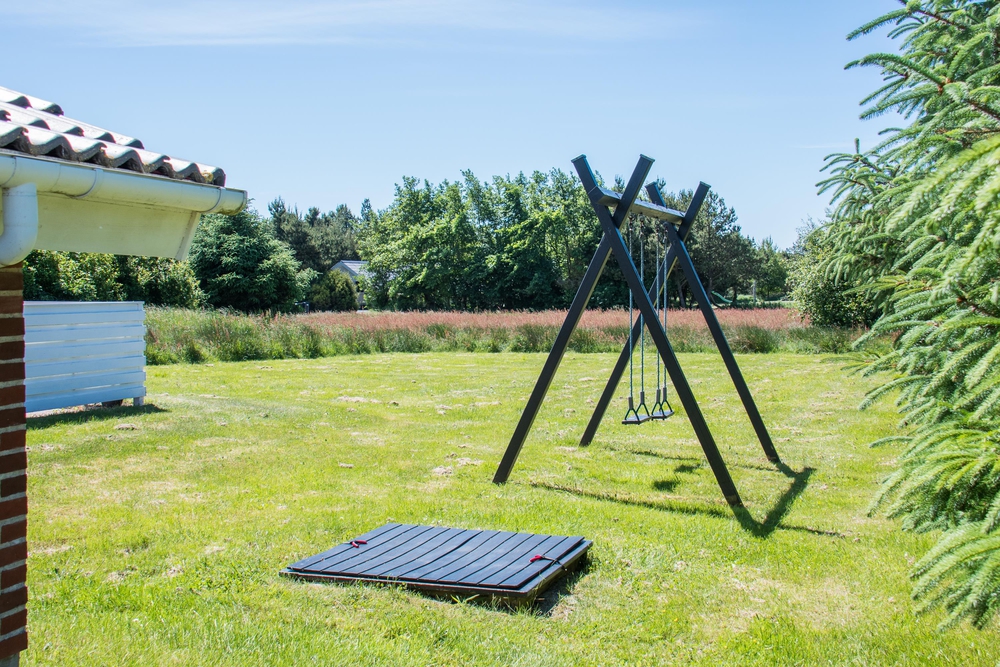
[
  {"x": 613, "y": 199},
  {"x": 612, "y": 244}
]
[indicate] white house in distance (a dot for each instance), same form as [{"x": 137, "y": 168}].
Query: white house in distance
[
  {"x": 69, "y": 185},
  {"x": 352, "y": 267}
]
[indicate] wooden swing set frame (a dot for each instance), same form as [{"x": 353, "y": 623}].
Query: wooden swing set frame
[{"x": 676, "y": 227}]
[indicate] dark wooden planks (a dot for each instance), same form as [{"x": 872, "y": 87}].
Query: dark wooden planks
[
  {"x": 306, "y": 563},
  {"x": 552, "y": 548},
  {"x": 441, "y": 561},
  {"x": 553, "y": 555},
  {"x": 448, "y": 560}
]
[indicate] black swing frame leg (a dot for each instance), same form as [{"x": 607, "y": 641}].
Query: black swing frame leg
[
  {"x": 576, "y": 309},
  {"x": 659, "y": 336},
  {"x": 694, "y": 282}
]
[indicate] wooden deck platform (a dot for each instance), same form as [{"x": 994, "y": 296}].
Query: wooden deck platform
[{"x": 448, "y": 561}]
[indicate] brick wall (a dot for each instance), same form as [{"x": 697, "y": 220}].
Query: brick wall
[{"x": 13, "y": 464}]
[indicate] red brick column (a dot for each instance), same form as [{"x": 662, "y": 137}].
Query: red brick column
[{"x": 13, "y": 465}]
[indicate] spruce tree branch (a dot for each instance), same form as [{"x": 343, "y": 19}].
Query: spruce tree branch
[
  {"x": 936, "y": 17},
  {"x": 983, "y": 109}
]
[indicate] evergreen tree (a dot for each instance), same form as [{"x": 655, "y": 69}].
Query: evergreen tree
[
  {"x": 333, "y": 234},
  {"x": 726, "y": 260},
  {"x": 334, "y": 291},
  {"x": 290, "y": 227},
  {"x": 242, "y": 265},
  {"x": 917, "y": 220},
  {"x": 318, "y": 240},
  {"x": 772, "y": 269}
]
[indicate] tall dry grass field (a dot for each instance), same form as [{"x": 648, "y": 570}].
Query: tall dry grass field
[
  {"x": 176, "y": 335},
  {"x": 775, "y": 319}
]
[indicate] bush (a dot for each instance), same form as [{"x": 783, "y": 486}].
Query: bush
[
  {"x": 533, "y": 338},
  {"x": 754, "y": 339},
  {"x": 70, "y": 276},
  {"x": 828, "y": 300},
  {"x": 334, "y": 291},
  {"x": 241, "y": 265}
]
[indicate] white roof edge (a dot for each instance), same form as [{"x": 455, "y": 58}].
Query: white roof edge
[{"x": 93, "y": 182}]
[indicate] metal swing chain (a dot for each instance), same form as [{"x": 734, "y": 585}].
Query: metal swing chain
[
  {"x": 657, "y": 310},
  {"x": 666, "y": 409},
  {"x": 658, "y": 406},
  {"x": 642, "y": 333},
  {"x": 631, "y": 416},
  {"x": 631, "y": 374}
]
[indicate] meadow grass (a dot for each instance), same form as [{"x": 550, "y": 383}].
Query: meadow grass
[
  {"x": 156, "y": 534},
  {"x": 194, "y": 336}
]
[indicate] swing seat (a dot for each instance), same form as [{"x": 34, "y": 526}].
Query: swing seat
[
  {"x": 636, "y": 418},
  {"x": 632, "y": 419},
  {"x": 662, "y": 414}
]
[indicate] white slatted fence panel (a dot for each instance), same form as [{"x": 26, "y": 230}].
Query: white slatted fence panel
[{"x": 79, "y": 352}]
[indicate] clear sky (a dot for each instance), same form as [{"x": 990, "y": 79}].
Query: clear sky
[{"x": 327, "y": 102}]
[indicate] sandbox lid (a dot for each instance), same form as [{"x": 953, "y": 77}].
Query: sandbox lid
[{"x": 448, "y": 561}]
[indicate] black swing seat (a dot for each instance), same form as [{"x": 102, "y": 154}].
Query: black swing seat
[
  {"x": 633, "y": 417},
  {"x": 662, "y": 414}
]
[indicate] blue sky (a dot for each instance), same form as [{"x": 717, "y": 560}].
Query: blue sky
[{"x": 326, "y": 102}]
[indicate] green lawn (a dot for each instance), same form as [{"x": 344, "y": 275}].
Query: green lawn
[{"x": 161, "y": 545}]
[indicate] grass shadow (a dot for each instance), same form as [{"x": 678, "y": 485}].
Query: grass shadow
[
  {"x": 772, "y": 519},
  {"x": 542, "y": 605},
  {"x": 655, "y": 454},
  {"x": 562, "y": 588},
  {"x": 91, "y": 414},
  {"x": 665, "y": 485}
]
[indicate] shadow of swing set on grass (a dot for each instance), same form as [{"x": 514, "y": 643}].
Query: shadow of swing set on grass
[
  {"x": 762, "y": 528},
  {"x": 517, "y": 567}
]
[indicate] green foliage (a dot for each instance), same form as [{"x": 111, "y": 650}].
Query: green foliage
[
  {"x": 772, "y": 270},
  {"x": 67, "y": 276},
  {"x": 520, "y": 243},
  {"x": 917, "y": 222},
  {"x": 726, "y": 260},
  {"x": 825, "y": 299},
  {"x": 318, "y": 240},
  {"x": 241, "y": 265},
  {"x": 334, "y": 291}
]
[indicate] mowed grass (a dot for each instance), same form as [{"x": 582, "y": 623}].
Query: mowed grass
[{"x": 161, "y": 545}]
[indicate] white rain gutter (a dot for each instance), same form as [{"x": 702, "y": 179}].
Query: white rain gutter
[
  {"x": 23, "y": 178},
  {"x": 20, "y": 223}
]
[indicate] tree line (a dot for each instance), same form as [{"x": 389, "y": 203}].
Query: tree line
[
  {"x": 524, "y": 242},
  {"x": 246, "y": 262},
  {"x": 519, "y": 242}
]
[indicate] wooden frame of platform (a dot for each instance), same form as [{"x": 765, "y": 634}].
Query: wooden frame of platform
[{"x": 513, "y": 567}]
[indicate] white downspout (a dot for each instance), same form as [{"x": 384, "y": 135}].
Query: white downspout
[{"x": 20, "y": 223}]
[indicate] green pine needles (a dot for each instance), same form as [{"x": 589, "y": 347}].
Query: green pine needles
[{"x": 917, "y": 222}]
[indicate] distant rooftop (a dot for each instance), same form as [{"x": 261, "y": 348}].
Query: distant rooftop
[
  {"x": 38, "y": 128},
  {"x": 353, "y": 267}
]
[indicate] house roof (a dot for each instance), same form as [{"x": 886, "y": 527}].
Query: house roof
[
  {"x": 38, "y": 128},
  {"x": 353, "y": 266}
]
